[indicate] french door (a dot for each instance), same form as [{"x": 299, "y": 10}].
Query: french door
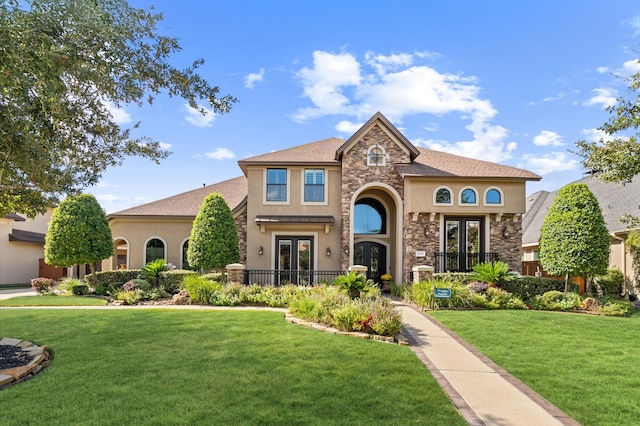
[
  {"x": 464, "y": 240},
  {"x": 295, "y": 260},
  {"x": 373, "y": 256}
]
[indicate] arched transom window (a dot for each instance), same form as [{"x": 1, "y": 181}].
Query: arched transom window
[
  {"x": 376, "y": 156},
  {"x": 369, "y": 217}
]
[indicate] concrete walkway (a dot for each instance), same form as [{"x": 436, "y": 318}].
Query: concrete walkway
[{"x": 483, "y": 392}]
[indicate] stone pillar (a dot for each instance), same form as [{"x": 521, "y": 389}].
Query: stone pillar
[
  {"x": 235, "y": 273},
  {"x": 360, "y": 269},
  {"x": 422, "y": 273}
]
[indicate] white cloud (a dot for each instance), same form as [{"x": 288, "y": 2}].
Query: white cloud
[
  {"x": 120, "y": 116},
  {"x": 383, "y": 64},
  {"x": 635, "y": 24},
  {"x": 165, "y": 146},
  {"x": 107, "y": 198},
  {"x": 196, "y": 118},
  {"x": 349, "y": 127},
  {"x": 602, "y": 70},
  {"x": 220, "y": 154},
  {"x": 604, "y": 97},
  {"x": 253, "y": 78},
  {"x": 547, "y": 138},
  {"x": 631, "y": 67},
  {"x": 549, "y": 163}
]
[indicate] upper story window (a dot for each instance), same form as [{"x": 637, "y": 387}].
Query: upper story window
[
  {"x": 443, "y": 196},
  {"x": 369, "y": 217},
  {"x": 376, "y": 156},
  {"x": 493, "y": 196},
  {"x": 468, "y": 196},
  {"x": 276, "y": 185},
  {"x": 314, "y": 185}
]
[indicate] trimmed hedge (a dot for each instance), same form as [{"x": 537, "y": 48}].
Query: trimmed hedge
[
  {"x": 171, "y": 281},
  {"x": 114, "y": 278},
  {"x": 527, "y": 287}
]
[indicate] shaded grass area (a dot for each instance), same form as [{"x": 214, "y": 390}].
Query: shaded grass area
[
  {"x": 51, "y": 300},
  {"x": 149, "y": 367},
  {"x": 584, "y": 364}
]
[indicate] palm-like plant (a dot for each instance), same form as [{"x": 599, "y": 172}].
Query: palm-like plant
[
  {"x": 492, "y": 273},
  {"x": 151, "y": 271},
  {"x": 352, "y": 282}
]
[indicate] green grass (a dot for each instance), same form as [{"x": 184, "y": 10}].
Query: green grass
[
  {"x": 586, "y": 365},
  {"x": 51, "y": 300},
  {"x": 150, "y": 367}
]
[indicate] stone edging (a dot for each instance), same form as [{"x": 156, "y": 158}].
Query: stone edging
[
  {"x": 398, "y": 339},
  {"x": 41, "y": 358}
]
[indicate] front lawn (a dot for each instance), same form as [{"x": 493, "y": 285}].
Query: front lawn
[
  {"x": 194, "y": 367},
  {"x": 51, "y": 300},
  {"x": 586, "y": 365}
]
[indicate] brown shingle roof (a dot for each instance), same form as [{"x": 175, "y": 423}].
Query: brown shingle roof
[
  {"x": 440, "y": 164},
  {"x": 187, "y": 204}
]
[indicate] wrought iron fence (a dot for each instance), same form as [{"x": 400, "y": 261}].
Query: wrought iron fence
[
  {"x": 461, "y": 262},
  {"x": 282, "y": 277}
]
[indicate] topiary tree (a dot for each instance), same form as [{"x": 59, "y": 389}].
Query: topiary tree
[
  {"x": 214, "y": 240},
  {"x": 78, "y": 233},
  {"x": 574, "y": 240}
]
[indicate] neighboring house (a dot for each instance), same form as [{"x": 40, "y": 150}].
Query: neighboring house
[
  {"x": 374, "y": 200},
  {"x": 614, "y": 199},
  {"x": 22, "y": 249}
]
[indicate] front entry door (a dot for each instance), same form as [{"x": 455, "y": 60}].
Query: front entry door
[
  {"x": 294, "y": 262},
  {"x": 373, "y": 256}
]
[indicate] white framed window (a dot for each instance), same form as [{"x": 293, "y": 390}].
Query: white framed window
[
  {"x": 376, "y": 156},
  {"x": 493, "y": 196},
  {"x": 314, "y": 187},
  {"x": 443, "y": 196},
  {"x": 276, "y": 188},
  {"x": 468, "y": 196},
  {"x": 155, "y": 248}
]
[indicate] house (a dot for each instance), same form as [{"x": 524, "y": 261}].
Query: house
[
  {"x": 22, "y": 249},
  {"x": 374, "y": 199},
  {"x": 615, "y": 200}
]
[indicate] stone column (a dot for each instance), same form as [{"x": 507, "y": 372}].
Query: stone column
[
  {"x": 360, "y": 269},
  {"x": 235, "y": 273},
  {"x": 422, "y": 273}
]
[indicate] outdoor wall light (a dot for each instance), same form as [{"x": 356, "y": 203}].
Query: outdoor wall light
[
  {"x": 261, "y": 251},
  {"x": 346, "y": 251},
  {"x": 505, "y": 232},
  {"x": 328, "y": 251}
]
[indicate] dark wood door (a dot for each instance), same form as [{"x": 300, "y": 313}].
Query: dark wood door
[{"x": 373, "y": 256}]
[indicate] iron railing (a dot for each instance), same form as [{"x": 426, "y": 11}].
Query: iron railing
[
  {"x": 282, "y": 277},
  {"x": 461, "y": 262}
]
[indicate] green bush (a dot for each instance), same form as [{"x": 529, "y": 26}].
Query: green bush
[
  {"x": 200, "y": 289},
  {"x": 501, "y": 299},
  {"x": 609, "y": 284},
  {"x": 494, "y": 273},
  {"x": 135, "y": 284},
  {"x": 351, "y": 282},
  {"x": 115, "y": 278},
  {"x": 460, "y": 277},
  {"x": 557, "y": 301},
  {"x": 527, "y": 287},
  {"x": 214, "y": 276},
  {"x": 42, "y": 285},
  {"x": 616, "y": 309},
  {"x": 171, "y": 281},
  {"x": 130, "y": 297}
]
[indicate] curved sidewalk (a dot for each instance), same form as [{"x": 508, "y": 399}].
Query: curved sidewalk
[{"x": 483, "y": 392}]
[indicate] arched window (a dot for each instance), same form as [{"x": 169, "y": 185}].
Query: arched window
[
  {"x": 185, "y": 262},
  {"x": 154, "y": 250},
  {"x": 376, "y": 156},
  {"x": 468, "y": 196},
  {"x": 493, "y": 196},
  {"x": 369, "y": 217},
  {"x": 443, "y": 196}
]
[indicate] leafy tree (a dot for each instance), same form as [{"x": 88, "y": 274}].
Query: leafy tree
[
  {"x": 214, "y": 240},
  {"x": 616, "y": 157},
  {"x": 78, "y": 233},
  {"x": 574, "y": 240},
  {"x": 63, "y": 66}
]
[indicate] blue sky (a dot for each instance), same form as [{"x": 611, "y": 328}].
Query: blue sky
[{"x": 515, "y": 82}]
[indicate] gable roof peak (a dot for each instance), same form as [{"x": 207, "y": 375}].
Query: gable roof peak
[{"x": 379, "y": 118}]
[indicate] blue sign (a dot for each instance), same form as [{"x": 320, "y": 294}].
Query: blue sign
[{"x": 442, "y": 293}]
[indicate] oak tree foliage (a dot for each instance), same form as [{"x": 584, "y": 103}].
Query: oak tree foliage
[
  {"x": 214, "y": 241},
  {"x": 574, "y": 240},
  {"x": 64, "y": 65},
  {"x": 78, "y": 233}
]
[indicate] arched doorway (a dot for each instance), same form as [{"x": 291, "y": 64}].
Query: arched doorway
[{"x": 120, "y": 254}]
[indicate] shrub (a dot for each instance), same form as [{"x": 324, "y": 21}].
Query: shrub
[
  {"x": 616, "y": 309},
  {"x": 214, "y": 276},
  {"x": 557, "y": 301},
  {"x": 500, "y": 299},
  {"x": 171, "y": 281},
  {"x": 200, "y": 289},
  {"x": 151, "y": 271},
  {"x": 130, "y": 297},
  {"x": 609, "y": 284},
  {"x": 461, "y": 277},
  {"x": 352, "y": 282},
  {"x": 114, "y": 279},
  {"x": 80, "y": 290},
  {"x": 423, "y": 294},
  {"x": 137, "y": 283},
  {"x": 42, "y": 285},
  {"x": 527, "y": 287},
  {"x": 493, "y": 273}
]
